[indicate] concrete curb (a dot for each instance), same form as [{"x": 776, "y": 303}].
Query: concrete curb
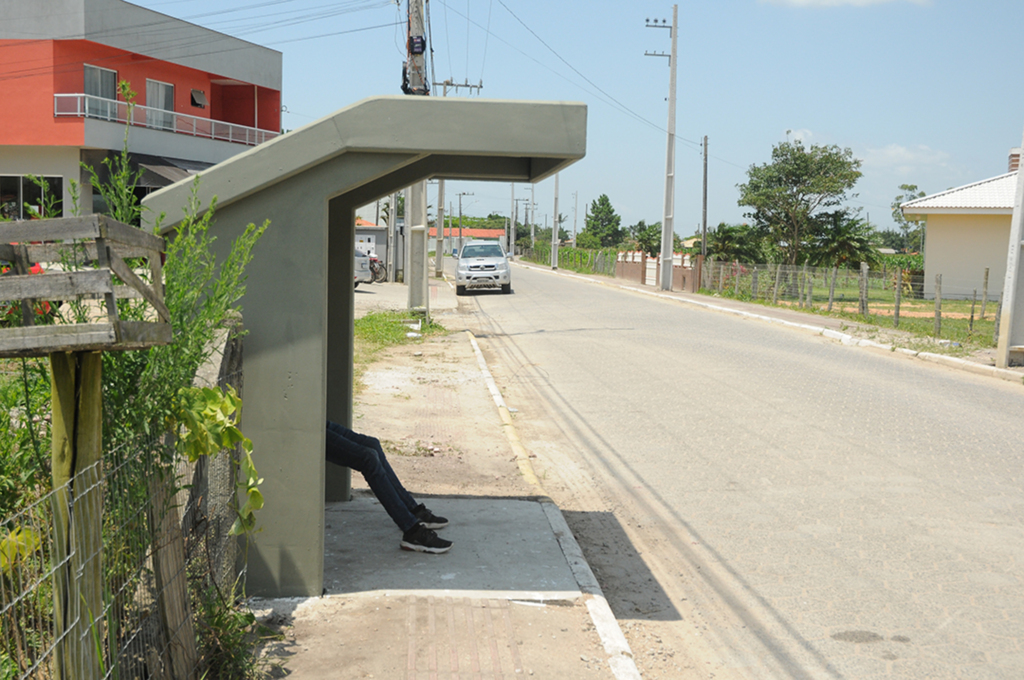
[
  {"x": 844, "y": 338},
  {"x": 620, "y": 657}
]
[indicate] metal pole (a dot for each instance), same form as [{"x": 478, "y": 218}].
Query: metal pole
[{"x": 554, "y": 229}]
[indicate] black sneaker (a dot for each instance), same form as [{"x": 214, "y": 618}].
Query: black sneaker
[
  {"x": 422, "y": 539},
  {"x": 429, "y": 519}
]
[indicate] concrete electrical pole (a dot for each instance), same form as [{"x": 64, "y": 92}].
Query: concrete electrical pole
[
  {"x": 670, "y": 155},
  {"x": 554, "y": 229},
  {"x": 704, "y": 205},
  {"x": 461, "y": 194},
  {"x": 439, "y": 227},
  {"x": 533, "y": 218},
  {"x": 414, "y": 82},
  {"x": 575, "y": 210}
]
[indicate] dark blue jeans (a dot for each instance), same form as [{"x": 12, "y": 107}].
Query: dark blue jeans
[{"x": 365, "y": 455}]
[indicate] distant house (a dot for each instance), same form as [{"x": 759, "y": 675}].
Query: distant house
[
  {"x": 202, "y": 97},
  {"x": 967, "y": 231}
]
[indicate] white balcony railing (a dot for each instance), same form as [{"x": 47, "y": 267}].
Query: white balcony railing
[{"x": 88, "y": 106}]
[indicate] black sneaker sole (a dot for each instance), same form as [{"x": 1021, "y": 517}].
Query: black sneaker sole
[
  {"x": 434, "y": 525},
  {"x": 424, "y": 548}
]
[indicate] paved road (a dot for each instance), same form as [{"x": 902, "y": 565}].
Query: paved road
[{"x": 768, "y": 502}]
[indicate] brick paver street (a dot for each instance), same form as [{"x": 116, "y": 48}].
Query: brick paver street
[{"x": 772, "y": 503}]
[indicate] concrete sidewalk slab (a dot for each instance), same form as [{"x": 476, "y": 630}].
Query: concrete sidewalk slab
[
  {"x": 503, "y": 548},
  {"x": 504, "y": 602}
]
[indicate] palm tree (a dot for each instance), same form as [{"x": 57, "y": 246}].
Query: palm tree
[
  {"x": 735, "y": 242},
  {"x": 842, "y": 240}
]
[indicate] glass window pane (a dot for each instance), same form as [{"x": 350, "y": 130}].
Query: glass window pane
[
  {"x": 53, "y": 196},
  {"x": 100, "y": 84},
  {"x": 159, "y": 96},
  {"x": 10, "y": 198},
  {"x": 31, "y": 198}
]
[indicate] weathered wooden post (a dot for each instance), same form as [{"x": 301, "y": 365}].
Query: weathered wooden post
[
  {"x": 74, "y": 348},
  {"x": 974, "y": 301},
  {"x": 899, "y": 295},
  {"x": 938, "y": 304},
  {"x": 864, "y": 288},
  {"x": 984, "y": 294},
  {"x": 832, "y": 287}
]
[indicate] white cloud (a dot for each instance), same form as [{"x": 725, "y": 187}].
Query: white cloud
[
  {"x": 904, "y": 161},
  {"x": 802, "y": 135},
  {"x": 838, "y": 3}
]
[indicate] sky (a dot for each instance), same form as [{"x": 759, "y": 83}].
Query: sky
[{"x": 918, "y": 89}]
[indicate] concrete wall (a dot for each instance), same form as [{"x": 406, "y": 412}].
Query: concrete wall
[
  {"x": 101, "y": 134},
  {"x": 136, "y": 29},
  {"x": 960, "y": 247},
  {"x": 43, "y": 160}
]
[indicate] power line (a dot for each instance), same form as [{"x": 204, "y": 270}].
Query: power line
[{"x": 487, "y": 39}]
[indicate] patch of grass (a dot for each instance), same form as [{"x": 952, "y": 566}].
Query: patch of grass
[{"x": 378, "y": 331}]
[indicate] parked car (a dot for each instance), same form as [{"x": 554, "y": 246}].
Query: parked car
[
  {"x": 482, "y": 264},
  {"x": 363, "y": 273}
]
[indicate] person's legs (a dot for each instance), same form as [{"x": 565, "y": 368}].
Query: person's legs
[
  {"x": 374, "y": 443},
  {"x": 370, "y": 461}
]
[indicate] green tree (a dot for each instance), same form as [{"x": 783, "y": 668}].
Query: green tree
[
  {"x": 647, "y": 237},
  {"x": 789, "y": 194},
  {"x": 843, "y": 240},
  {"x": 602, "y": 228},
  {"x": 735, "y": 242},
  {"x": 912, "y": 230}
]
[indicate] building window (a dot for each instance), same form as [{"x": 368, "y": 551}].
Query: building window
[
  {"x": 26, "y": 197},
  {"x": 199, "y": 99},
  {"x": 100, "y": 86},
  {"x": 160, "y": 105}
]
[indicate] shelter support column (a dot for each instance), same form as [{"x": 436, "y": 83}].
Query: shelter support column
[{"x": 341, "y": 238}]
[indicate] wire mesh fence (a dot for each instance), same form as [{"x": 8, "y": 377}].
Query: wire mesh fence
[
  {"x": 115, "y": 594},
  {"x": 582, "y": 260},
  {"x": 953, "y": 307}
]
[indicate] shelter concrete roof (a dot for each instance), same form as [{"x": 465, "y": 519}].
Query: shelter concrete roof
[{"x": 450, "y": 138}]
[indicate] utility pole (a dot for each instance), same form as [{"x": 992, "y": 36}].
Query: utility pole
[
  {"x": 670, "y": 155},
  {"x": 704, "y": 209},
  {"x": 515, "y": 220},
  {"x": 439, "y": 225},
  {"x": 575, "y": 209},
  {"x": 439, "y": 247},
  {"x": 414, "y": 82},
  {"x": 461, "y": 194},
  {"x": 554, "y": 229},
  {"x": 511, "y": 219},
  {"x": 414, "y": 71},
  {"x": 533, "y": 218}
]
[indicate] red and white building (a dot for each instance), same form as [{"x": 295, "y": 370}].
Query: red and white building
[{"x": 201, "y": 97}]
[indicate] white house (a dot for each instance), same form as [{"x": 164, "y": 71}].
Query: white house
[{"x": 967, "y": 232}]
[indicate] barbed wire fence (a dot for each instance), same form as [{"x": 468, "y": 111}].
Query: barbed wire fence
[{"x": 72, "y": 608}]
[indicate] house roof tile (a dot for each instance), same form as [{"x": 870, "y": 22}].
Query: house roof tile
[{"x": 994, "y": 195}]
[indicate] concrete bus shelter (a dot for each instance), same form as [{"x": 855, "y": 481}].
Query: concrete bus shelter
[{"x": 298, "y": 307}]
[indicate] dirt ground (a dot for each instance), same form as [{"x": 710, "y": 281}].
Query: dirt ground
[{"x": 439, "y": 425}]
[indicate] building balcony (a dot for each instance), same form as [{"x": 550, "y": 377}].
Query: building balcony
[{"x": 98, "y": 108}]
